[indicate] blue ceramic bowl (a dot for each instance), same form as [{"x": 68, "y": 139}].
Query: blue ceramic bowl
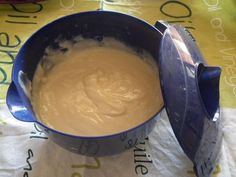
[{"x": 96, "y": 25}]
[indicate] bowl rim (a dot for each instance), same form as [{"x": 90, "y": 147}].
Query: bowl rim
[{"x": 41, "y": 30}]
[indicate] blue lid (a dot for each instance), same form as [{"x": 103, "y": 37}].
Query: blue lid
[{"x": 190, "y": 90}]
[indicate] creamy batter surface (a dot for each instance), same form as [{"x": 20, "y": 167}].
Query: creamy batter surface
[{"x": 92, "y": 88}]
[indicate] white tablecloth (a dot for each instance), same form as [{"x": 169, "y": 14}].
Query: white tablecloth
[{"x": 27, "y": 152}]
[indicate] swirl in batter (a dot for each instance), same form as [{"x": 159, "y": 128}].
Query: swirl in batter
[{"x": 95, "y": 88}]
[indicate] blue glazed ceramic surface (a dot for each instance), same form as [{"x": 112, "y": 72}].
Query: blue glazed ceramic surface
[
  {"x": 190, "y": 88},
  {"x": 191, "y": 93},
  {"x": 96, "y": 25}
]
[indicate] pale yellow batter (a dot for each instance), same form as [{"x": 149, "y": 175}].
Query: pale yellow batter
[{"x": 95, "y": 88}]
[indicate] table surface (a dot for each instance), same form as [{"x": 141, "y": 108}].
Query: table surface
[{"x": 25, "y": 150}]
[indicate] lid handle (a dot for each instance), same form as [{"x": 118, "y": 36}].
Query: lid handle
[{"x": 208, "y": 84}]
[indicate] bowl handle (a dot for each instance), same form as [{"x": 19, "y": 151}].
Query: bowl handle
[{"x": 16, "y": 106}]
